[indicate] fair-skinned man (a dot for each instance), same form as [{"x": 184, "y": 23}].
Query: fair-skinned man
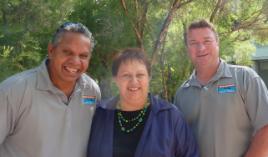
[
  {"x": 226, "y": 105},
  {"x": 47, "y": 111}
]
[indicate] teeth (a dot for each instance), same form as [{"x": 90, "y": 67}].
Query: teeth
[
  {"x": 202, "y": 55},
  {"x": 133, "y": 89},
  {"x": 72, "y": 70}
]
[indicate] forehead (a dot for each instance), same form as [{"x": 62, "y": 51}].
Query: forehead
[
  {"x": 74, "y": 42},
  {"x": 132, "y": 64},
  {"x": 73, "y": 36},
  {"x": 200, "y": 33},
  {"x": 129, "y": 62}
]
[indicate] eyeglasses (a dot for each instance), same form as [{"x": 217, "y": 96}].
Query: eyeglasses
[{"x": 129, "y": 77}]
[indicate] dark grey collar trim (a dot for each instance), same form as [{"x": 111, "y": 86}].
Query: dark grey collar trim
[{"x": 222, "y": 72}]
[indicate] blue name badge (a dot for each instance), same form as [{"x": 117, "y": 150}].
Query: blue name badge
[
  {"x": 88, "y": 100},
  {"x": 229, "y": 88}
]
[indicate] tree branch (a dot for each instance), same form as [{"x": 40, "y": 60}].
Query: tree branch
[
  {"x": 218, "y": 8},
  {"x": 164, "y": 29},
  {"x": 137, "y": 25},
  {"x": 123, "y": 3}
]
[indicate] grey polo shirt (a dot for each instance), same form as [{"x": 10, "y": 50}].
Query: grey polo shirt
[
  {"x": 226, "y": 112},
  {"x": 38, "y": 120}
]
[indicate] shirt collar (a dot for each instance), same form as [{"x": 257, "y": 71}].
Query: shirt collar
[
  {"x": 223, "y": 71},
  {"x": 43, "y": 80}
]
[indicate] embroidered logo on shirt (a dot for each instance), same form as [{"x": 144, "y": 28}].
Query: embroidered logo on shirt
[
  {"x": 89, "y": 100},
  {"x": 228, "y": 88}
]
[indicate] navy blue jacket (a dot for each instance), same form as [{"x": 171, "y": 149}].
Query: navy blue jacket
[{"x": 165, "y": 133}]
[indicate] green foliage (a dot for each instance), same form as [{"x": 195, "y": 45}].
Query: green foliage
[
  {"x": 111, "y": 30},
  {"x": 243, "y": 52},
  {"x": 238, "y": 24},
  {"x": 25, "y": 29}
]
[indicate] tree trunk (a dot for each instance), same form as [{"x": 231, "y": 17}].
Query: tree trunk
[
  {"x": 138, "y": 24},
  {"x": 163, "y": 73}
]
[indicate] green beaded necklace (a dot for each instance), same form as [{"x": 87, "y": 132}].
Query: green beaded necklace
[{"x": 124, "y": 122}]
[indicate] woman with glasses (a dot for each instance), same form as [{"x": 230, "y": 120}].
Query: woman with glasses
[{"x": 136, "y": 123}]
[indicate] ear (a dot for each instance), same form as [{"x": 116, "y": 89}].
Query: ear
[{"x": 50, "y": 49}]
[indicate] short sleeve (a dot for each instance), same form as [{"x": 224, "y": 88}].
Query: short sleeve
[{"x": 256, "y": 99}]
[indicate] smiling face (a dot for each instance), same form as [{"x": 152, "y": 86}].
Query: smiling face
[
  {"x": 132, "y": 80},
  {"x": 203, "y": 48},
  {"x": 68, "y": 59}
]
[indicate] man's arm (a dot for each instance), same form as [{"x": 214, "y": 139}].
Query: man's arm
[
  {"x": 259, "y": 144},
  {"x": 4, "y": 110},
  {"x": 11, "y": 95},
  {"x": 256, "y": 101}
]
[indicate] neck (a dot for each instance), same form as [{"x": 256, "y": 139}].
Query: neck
[
  {"x": 66, "y": 87},
  {"x": 205, "y": 74},
  {"x": 132, "y": 106},
  {"x": 67, "y": 90}
]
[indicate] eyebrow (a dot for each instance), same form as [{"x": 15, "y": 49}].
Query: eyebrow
[{"x": 208, "y": 37}]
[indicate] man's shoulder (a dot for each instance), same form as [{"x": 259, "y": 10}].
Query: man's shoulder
[
  {"x": 88, "y": 81},
  {"x": 161, "y": 104},
  {"x": 237, "y": 67},
  {"x": 90, "y": 84},
  {"x": 19, "y": 79},
  {"x": 183, "y": 87},
  {"x": 242, "y": 70},
  {"x": 167, "y": 112}
]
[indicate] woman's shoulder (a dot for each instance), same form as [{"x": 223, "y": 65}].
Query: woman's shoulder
[
  {"x": 108, "y": 104},
  {"x": 164, "y": 106}
]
